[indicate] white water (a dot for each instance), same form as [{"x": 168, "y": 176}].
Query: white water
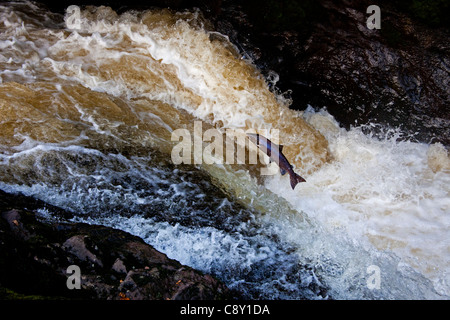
[
  {"x": 378, "y": 202},
  {"x": 388, "y": 195}
]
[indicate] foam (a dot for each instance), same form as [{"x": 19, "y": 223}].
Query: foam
[
  {"x": 108, "y": 89},
  {"x": 382, "y": 194}
]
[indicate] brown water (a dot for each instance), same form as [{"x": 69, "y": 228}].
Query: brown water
[{"x": 88, "y": 104}]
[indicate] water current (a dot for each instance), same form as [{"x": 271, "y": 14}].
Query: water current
[{"x": 88, "y": 104}]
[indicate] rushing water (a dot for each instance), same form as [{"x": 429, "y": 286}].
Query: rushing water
[{"x": 88, "y": 103}]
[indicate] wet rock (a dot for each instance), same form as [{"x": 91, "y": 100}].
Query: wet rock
[
  {"x": 76, "y": 246},
  {"x": 397, "y": 76},
  {"x": 119, "y": 267},
  {"x": 35, "y": 256}
]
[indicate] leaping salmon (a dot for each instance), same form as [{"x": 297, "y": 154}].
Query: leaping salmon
[{"x": 275, "y": 154}]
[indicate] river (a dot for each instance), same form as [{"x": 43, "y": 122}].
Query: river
[{"x": 89, "y": 101}]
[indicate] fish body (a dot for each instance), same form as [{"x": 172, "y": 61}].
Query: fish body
[{"x": 275, "y": 154}]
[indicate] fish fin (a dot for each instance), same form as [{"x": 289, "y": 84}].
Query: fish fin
[
  {"x": 295, "y": 178},
  {"x": 283, "y": 172}
]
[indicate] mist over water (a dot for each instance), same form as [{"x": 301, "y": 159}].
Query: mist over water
[{"x": 88, "y": 103}]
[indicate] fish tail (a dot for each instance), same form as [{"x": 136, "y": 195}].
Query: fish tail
[{"x": 295, "y": 178}]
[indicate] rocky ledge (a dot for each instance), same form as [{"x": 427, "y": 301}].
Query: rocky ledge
[{"x": 35, "y": 256}]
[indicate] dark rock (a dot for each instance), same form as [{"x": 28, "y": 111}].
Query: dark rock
[
  {"x": 35, "y": 255},
  {"x": 398, "y": 76}
]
